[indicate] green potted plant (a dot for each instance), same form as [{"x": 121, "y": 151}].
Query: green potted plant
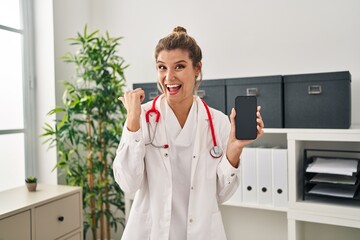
[
  {"x": 31, "y": 183},
  {"x": 89, "y": 128}
]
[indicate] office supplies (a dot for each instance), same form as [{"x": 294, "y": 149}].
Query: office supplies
[
  {"x": 333, "y": 166},
  {"x": 280, "y": 177},
  {"x": 249, "y": 175},
  {"x": 331, "y": 174},
  {"x": 264, "y": 173}
]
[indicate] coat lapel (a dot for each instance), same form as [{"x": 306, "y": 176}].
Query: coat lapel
[
  {"x": 202, "y": 126},
  {"x": 160, "y": 105}
]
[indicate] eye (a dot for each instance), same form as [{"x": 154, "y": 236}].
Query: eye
[
  {"x": 161, "y": 67},
  {"x": 179, "y": 66}
]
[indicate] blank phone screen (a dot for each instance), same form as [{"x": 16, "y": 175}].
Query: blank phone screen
[{"x": 245, "y": 107}]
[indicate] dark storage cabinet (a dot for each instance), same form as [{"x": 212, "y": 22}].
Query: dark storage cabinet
[
  {"x": 151, "y": 90},
  {"x": 269, "y": 93},
  {"x": 213, "y": 93},
  {"x": 320, "y": 100},
  {"x": 316, "y": 100}
]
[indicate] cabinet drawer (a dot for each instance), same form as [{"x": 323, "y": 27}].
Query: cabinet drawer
[
  {"x": 58, "y": 218},
  {"x": 9, "y": 227}
]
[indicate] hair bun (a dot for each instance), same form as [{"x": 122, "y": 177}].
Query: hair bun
[{"x": 179, "y": 29}]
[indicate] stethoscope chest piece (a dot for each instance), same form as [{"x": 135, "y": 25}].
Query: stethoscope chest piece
[{"x": 216, "y": 152}]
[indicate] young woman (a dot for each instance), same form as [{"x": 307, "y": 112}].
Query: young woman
[{"x": 180, "y": 156}]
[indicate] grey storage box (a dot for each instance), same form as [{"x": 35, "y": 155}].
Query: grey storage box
[
  {"x": 319, "y": 100},
  {"x": 151, "y": 90},
  {"x": 269, "y": 93},
  {"x": 213, "y": 93}
]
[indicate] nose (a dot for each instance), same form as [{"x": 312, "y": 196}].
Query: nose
[{"x": 170, "y": 75}]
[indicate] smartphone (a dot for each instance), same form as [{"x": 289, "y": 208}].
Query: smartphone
[{"x": 245, "y": 119}]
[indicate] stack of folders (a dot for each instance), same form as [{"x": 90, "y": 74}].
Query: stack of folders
[
  {"x": 264, "y": 177},
  {"x": 332, "y": 177}
]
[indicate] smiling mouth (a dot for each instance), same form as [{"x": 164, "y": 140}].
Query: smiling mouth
[{"x": 173, "y": 88}]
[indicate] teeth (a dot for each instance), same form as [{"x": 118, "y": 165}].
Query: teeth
[{"x": 173, "y": 85}]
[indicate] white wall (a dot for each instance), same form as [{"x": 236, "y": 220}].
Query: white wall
[
  {"x": 241, "y": 38},
  {"x": 54, "y": 22},
  {"x": 44, "y": 86}
]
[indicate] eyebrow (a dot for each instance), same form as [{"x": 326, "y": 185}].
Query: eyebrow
[{"x": 180, "y": 61}]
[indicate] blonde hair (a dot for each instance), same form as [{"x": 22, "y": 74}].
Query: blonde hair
[{"x": 179, "y": 39}]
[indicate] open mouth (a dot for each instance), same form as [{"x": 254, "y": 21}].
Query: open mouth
[{"x": 173, "y": 88}]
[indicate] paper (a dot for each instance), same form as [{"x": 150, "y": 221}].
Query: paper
[
  {"x": 333, "y": 178},
  {"x": 333, "y": 191},
  {"x": 333, "y": 166}
]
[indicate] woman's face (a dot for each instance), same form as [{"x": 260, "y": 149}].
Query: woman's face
[{"x": 177, "y": 75}]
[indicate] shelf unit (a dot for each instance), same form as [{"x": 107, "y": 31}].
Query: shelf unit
[{"x": 301, "y": 220}]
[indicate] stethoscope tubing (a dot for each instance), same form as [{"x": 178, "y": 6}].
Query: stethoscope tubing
[{"x": 215, "y": 151}]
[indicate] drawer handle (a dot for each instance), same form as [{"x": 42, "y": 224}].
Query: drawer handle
[
  {"x": 201, "y": 93},
  {"x": 251, "y": 91},
  {"x": 61, "y": 218},
  {"x": 314, "y": 89},
  {"x": 152, "y": 95}
]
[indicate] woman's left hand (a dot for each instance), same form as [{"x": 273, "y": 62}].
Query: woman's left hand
[{"x": 235, "y": 146}]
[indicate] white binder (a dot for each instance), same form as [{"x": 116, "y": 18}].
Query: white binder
[
  {"x": 280, "y": 177},
  {"x": 249, "y": 175},
  {"x": 264, "y": 176}
]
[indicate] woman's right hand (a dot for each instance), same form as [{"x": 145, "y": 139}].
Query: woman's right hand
[{"x": 132, "y": 101}]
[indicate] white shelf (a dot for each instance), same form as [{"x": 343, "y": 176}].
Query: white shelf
[
  {"x": 255, "y": 206},
  {"x": 304, "y": 218}
]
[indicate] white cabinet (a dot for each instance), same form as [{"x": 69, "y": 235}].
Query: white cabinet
[
  {"x": 22, "y": 221},
  {"x": 52, "y": 212},
  {"x": 315, "y": 219}
]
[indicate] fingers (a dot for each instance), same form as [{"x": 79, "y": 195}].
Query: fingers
[
  {"x": 132, "y": 100},
  {"x": 232, "y": 122},
  {"x": 259, "y": 119},
  {"x": 122, "y": 99},
  {"x": 260, "y": 122}
]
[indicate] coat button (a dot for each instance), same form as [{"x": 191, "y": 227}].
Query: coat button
[
  {"x": 191, "y": 220},
  {"x": 165, "y": 154},
  {"x": 233, "y": 174}
]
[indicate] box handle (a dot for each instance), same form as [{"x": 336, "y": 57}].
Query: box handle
[
  {"x": 314, "y": 89},
  {"x": 251, "y": 91},
  {"x": 201, "y": 93},
  {"x": 152, "y": 95}
]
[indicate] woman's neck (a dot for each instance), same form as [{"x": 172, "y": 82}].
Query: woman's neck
[{"x": 181, "y": 110}]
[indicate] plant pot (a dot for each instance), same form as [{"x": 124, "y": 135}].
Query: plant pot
[{"x": 31, "y": 187}]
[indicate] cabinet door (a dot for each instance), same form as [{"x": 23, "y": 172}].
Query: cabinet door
[
  {"x": 58, "y": 218},
  {"x": 76, "y": 236},
  {"x": 16, "y": 227}
]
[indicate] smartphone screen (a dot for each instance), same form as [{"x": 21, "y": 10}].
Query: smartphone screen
[{"x": 245, "y": 119}]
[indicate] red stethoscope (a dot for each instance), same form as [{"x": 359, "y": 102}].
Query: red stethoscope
[{"x": 215, "y": 151}]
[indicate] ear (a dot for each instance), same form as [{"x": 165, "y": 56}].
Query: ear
[{"x": 198, "y": 69}]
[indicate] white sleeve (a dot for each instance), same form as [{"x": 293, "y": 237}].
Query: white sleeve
[
  {"x": 228, "y": 176},
  {"x": 129, "y": 165}
]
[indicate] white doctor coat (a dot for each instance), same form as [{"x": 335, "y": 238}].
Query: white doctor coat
[{"x": 146, "y": 170}]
